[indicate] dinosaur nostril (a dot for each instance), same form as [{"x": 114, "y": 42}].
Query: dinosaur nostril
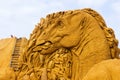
[{"x": 44, "y": 33}]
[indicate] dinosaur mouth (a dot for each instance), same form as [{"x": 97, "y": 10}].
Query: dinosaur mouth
[{"x": 45, "y": 47}]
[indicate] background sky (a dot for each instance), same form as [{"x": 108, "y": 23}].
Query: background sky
[{"x": 18, "y": 17}]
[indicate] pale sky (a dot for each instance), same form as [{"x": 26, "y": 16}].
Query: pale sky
[{"x": 18, "y": 17}]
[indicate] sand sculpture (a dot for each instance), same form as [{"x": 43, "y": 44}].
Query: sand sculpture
[{"x": 69, "y": 45}]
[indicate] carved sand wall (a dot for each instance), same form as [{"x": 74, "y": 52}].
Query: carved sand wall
[
  {"x": 10, "y": 50},
  {"x": 6, "y": 50}
]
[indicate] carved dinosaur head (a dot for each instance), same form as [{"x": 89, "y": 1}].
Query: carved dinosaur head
[{"x": 59, "y": 32}]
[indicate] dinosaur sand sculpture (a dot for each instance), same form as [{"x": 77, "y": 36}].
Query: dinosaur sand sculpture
[{"x": 68, "y": 45}]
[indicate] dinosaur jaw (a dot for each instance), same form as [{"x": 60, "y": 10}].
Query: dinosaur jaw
[{"x": 46, "y": 47}]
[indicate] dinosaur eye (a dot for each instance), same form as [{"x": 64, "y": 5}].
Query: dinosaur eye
[{"x": 60, "y": 24}]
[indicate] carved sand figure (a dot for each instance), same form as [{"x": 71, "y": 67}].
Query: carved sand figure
[
  {"x": 65, "y": 45},
  {"x": 105, "y": 70}
]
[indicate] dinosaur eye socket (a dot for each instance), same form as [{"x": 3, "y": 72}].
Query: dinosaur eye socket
[{"x": 60, "y": 24}]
